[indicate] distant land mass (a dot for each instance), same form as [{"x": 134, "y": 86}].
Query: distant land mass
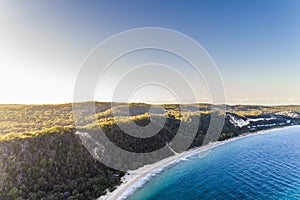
[{"x": 42, "y": 157}]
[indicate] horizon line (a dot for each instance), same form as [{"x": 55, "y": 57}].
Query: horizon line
[{"x": 153, "y": 103}]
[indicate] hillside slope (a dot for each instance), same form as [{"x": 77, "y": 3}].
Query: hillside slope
[{"x": 42, "y": 157}]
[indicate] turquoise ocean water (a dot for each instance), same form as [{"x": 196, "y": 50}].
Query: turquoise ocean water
[{"x": 263, "y": 166}]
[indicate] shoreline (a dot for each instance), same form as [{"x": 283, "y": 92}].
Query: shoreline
[{"x": 135, "y": 179}]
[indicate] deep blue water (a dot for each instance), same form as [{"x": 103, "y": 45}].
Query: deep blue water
[{"x": 265, "y": 166}]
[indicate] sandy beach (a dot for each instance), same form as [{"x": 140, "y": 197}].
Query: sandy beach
[{"x": 135, "y": 179}]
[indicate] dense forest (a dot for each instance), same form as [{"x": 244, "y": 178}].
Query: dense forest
[{"x": 42, "y": 156}]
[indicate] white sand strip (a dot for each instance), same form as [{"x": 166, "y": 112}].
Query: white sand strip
[{"x": 135, "y": 179}]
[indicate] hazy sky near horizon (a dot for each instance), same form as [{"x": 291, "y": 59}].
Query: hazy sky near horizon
[{"x": 254, "y": 43}]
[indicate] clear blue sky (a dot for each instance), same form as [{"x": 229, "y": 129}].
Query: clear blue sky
[{"x": 255, "y": 43}]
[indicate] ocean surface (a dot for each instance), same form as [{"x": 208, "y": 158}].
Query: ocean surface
[{"x": 262, "y": 166}]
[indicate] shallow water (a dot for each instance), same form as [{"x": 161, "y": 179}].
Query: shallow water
[{"x": 263, "y": 166}]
